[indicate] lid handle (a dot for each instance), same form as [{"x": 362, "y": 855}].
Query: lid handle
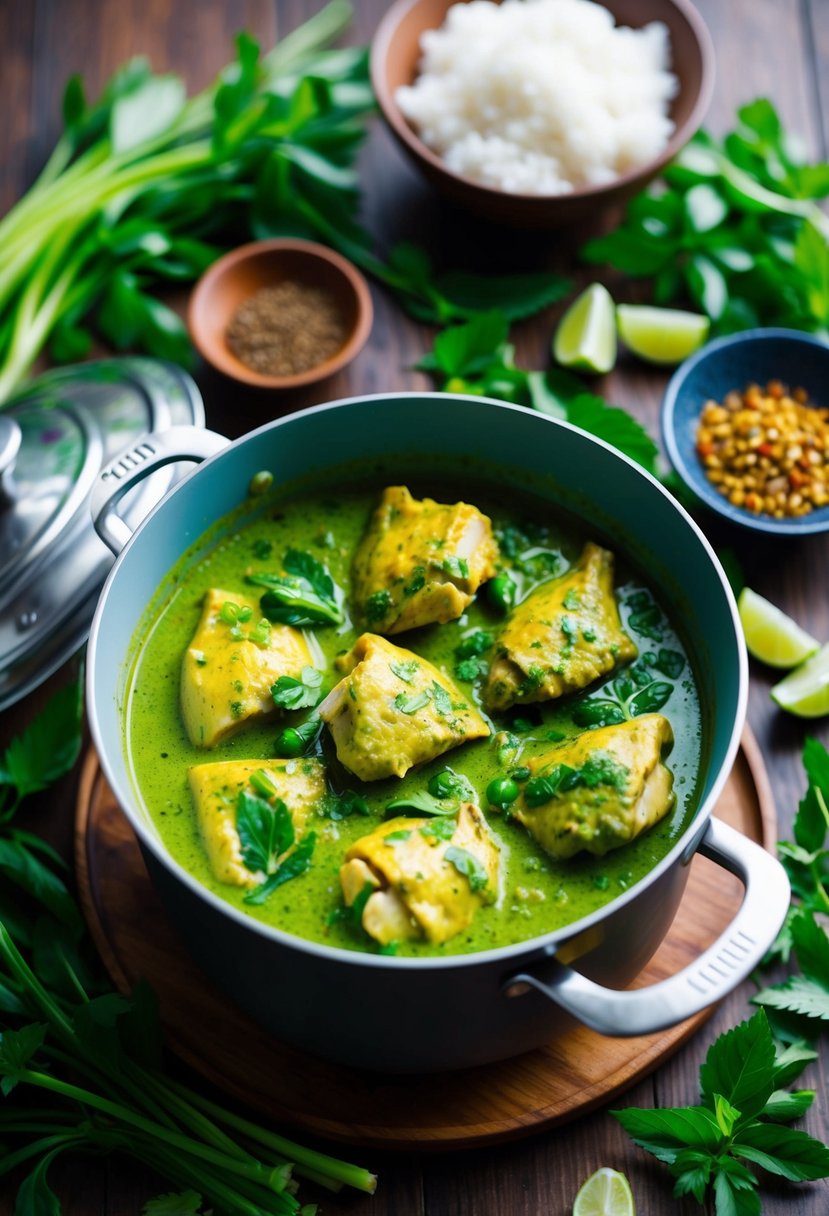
[
  {"x": 131, "y": 466},
  {"x": 10, "y": 436}
]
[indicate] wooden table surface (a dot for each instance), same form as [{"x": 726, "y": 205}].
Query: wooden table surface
[{"x": 776, "y": 48}]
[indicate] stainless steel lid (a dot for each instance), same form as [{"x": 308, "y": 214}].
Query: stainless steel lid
[{"x": 54, "y": 439}]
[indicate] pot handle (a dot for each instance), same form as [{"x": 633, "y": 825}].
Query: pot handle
[
  {"x": 125, "y": 470},
  {"x": 718, "y": 969}
]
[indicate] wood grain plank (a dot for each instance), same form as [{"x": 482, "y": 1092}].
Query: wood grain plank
[{"x": 17, "y": 23}]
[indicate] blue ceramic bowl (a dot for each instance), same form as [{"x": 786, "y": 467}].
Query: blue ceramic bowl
[{"x": 753, "y": 357}]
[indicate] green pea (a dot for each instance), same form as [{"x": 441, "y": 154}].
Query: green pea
[
  {"x": 289, "y": 743},
  {"x": 501, "y": 791},
  {"x": 501, "y": 593}
]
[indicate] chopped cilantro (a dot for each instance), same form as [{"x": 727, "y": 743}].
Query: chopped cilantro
[
  {"x": 377, "y": 605},
  {"x": 455, "y": 567},
  {"x": 410, "y": 705},
  {"x": 473, "y": 644},
  {"x": 442, "y": 700},
  {"x": 469, "y": 866},
  {"x": 418, "y": 581},
  {"x": 289, "y": 693},
  {"x": 406, "y": 670},
  {"x": 397, "y": 837}
]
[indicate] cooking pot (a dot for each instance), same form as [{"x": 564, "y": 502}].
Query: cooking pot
[{"x": 414, "y": 1014}]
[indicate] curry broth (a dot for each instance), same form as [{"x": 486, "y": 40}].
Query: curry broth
[{"x": 537, "y": 894}]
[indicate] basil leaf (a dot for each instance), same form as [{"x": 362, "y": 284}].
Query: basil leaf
[
  {"x": 410, "y": 705},
  {"x": 265, "y": 830},
  {"x": 469, "y": 866}
]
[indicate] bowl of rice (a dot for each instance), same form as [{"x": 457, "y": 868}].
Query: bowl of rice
[{"x": 541, "y": 112}]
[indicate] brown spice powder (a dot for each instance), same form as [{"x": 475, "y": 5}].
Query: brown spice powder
[{"x": 287, "y": 329}]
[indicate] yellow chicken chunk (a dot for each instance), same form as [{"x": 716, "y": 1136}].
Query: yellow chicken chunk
[
  {"x": 216, "y": 788},
  {"x": 562, "y": 637},
  {"x": 423, "y": 885},
  {"x": 600, "y": 790},
  {"x": 420, "y": 561},
  {"x": 394, "y": 710},
  {"x": 226, "y": 677}
]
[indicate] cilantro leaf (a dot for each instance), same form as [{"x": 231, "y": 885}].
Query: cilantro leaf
[
  {"x": 469, "y": 866},
  {"x": 266, "y": 831},
  {"x": 410, "y": 705},
  {"x": 296, "y": 863},
  {"x": 290, "y": 693}
]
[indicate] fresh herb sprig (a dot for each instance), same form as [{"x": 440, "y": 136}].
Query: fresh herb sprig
[
  {"x": 304, "y": 594},
  {"x": 734, "y": 229},
  {"x": 741, "y": 1121},
  {"x": 477, "y": 358},
  {"x": 81, "y": 1065}
]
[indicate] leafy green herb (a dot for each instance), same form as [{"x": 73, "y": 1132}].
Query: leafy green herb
[
  {"x": 477, "y": 358},
  {"x": 600, "y": 769},
  {"x": 410, "y": 705},
  {"x": 469, "y": 866},
  {"x": 304, "y": 595},
  {"x": 406, "y": 670},
  {"x": 397, "y": 837},
  {"x": 45, "y": 751},
  {"x": 733, "y": 229},
  {"x": 421, "y": 801},
  {"x": 266, "y": 834},
  {"x": 376, "y": 606},
  {"x": 705, "y": 1146},
  {"x": 290, "y": 693},
  {"x": 438, "y": 829},
  {"x": 340, "y": 806},
  {"x": 455, "y": 567},
  {"x": 474, "y": 644}
]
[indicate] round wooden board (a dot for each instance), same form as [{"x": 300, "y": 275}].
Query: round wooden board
[{"x": 577, "y": 1072}]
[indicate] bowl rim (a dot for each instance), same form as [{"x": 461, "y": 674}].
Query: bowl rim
[
  {"x": 692, "y": 473},
  {"x": 233, "y": 367},
  {"x": 680, "y": 852},
  {"x": 378, "y": 54}
]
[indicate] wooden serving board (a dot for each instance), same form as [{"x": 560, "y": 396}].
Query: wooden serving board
[{"x": 573, "y": 1074}]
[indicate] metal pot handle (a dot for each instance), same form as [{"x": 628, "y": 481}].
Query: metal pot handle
[
  {"x": 719, "y": 969},
  {"x": 125, "y": 470}
]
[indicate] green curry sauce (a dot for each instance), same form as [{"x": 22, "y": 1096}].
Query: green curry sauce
[{"x": 537, "y": 894}]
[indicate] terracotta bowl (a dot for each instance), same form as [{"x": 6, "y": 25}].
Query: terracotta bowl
[
  {"x": 235, "y": 277},
  {"x": 395, "y": 53}
]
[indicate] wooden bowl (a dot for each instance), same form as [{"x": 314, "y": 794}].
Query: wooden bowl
[
  {"x": 234, "y": 278},
  {"x": 395, "y": 53}
]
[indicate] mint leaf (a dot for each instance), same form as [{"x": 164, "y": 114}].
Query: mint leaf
[
  {"x": 783, "y": 1106},
  {"x": 811, "y": 945},
  {"x": 783, "y": 1150},
  {"x": 665, "y": 1133},
  {"x": 811, "y": 823},
  {"x": 739, "y": 1066},
  {"x": 797, "y": 995},
  {"x": 791, "y": 1061},
  {"x": 735, "y": 1195}
]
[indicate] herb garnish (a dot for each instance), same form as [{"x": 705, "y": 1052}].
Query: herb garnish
[
  {"x": 410, "y": 705},
  {"x": 405, "y": 670},
  {"x": 600, "y": 769},
  {"x": 632, "y": 693},
  {"x": 421, "y": 801},
  {"x": 290, "y": 693},
  {"x": 469, "y": 866},
  {"x": 304, "y": 595},
  {"x": 266, "y": 834}
]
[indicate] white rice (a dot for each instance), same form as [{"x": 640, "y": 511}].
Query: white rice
[{"x": 541, "y": 96}]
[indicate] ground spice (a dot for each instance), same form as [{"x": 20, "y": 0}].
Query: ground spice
[
  {"x": 287, "y": 329},
  {"x": 767, "y": 450}
]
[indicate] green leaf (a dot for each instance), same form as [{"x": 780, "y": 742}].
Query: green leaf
[
  {"x": 304, "y": 595},
  {"x": 265, "y": 830},
  {"x": 783, "y": 1106},
  {"x": 739, "y": 1066},
  {"x": 552, "y": 392},
  {"x": 616, "y": 427},
  {"x": 74, "y": 101},
  {"x": 16, "y": 1050},
  {"x": 733, "y": 1195},
  {"x": 20, "y": 865},
  {"x": 598, "y": 712},
  {"x": 181, "y": 1203},
  {"x": 811, "y": 944},
  {"x": 811, "y": 823},
  {"x": 48, "y": 747},
  {"x": 791, "y": 1060},
  {"x": 667, "y": 1132},
  {"x": 469, "y": 866},
  {"x": 296, "y": 863},
  {"x": 34, "y": 1195},
  {"x": 421, "y": 801},
  {"x": 96, "y": 1025},
  {"x": 811, "y": 257},
  {"x": 707, "y": 286},
  {"x": 465, "y": 350},
  {"x": 146, "y": 112},
  {"x": 289, "y": 693},
  {"x": 410, "y": 705},
  {"x": 650, "y": 699},
  {"x": 516, "y": 296},
  {"x": 797, "y": 995},
  {"x": 784, "y": 1151},
  {"x": 705, "y": 208}
]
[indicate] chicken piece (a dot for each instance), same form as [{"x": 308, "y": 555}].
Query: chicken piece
[
  {"x": 562, "y": 637},
  {"x": 599, "y": 790},
  {"x": 394, "y": 710},
  {"x": 216, "y": 787},
  {"x": 423, "y": 885},
  {"x": 226, "y": 676},
  {"x": 420, "y": 561}
]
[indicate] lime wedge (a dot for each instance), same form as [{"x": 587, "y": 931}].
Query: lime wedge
[
  {"x": 805, "y": 691},
  {"x": 771, "y": 636},
  {"x": 585, "y": 338},
  {"x": 661, "y": 335},
  {"x": 605, "y": 1193}
]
